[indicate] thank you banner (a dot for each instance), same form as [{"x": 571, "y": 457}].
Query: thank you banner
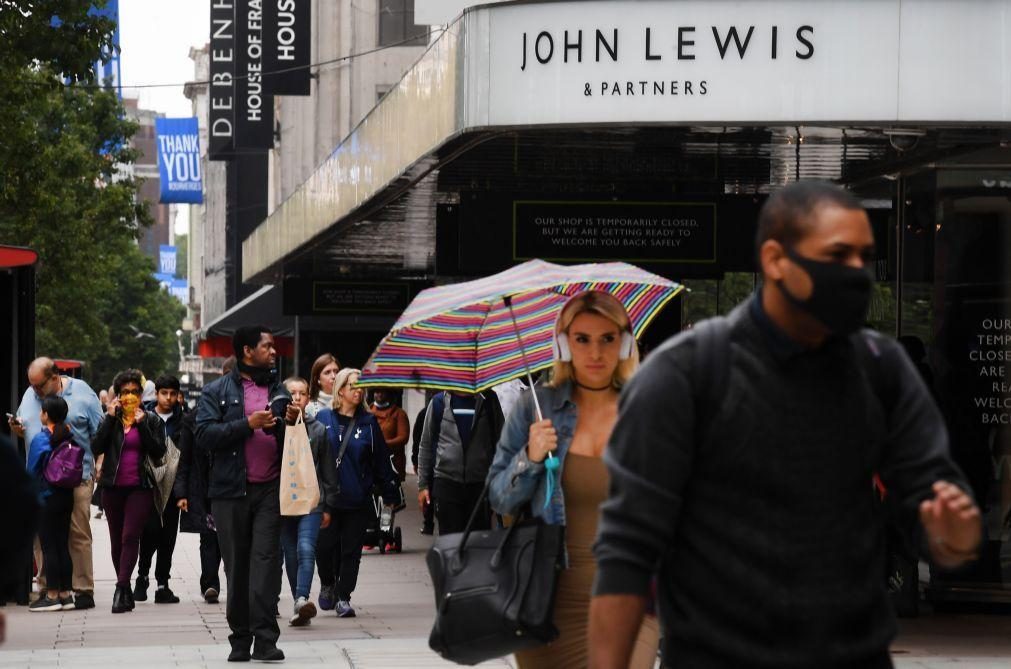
[
  {"x": 179, "y": 160},
  {"x": 167, "y": 260}
]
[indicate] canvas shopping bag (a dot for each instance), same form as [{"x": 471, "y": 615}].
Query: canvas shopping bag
[
  {"x": 163, "y": 475},
  {"x": 299, "y": 487}
]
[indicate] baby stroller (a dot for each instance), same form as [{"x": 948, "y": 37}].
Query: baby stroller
[{"x": 382, "y": 532}]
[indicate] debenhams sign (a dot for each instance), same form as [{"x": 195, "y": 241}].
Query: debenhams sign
[{"x": 715, "y": 60}]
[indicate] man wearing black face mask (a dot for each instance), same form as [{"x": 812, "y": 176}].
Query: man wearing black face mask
[
  {"x": 240, "y": 423},
  {"x": 751, "y": 488}
]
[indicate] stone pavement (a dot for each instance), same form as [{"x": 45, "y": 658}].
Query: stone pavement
[{"x": 394, "y": 603}]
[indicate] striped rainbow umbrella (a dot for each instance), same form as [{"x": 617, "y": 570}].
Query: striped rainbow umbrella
[{"x": 461, "y": 337}]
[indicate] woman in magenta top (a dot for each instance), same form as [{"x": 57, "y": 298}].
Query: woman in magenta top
[{"x": 128, "y": 436}]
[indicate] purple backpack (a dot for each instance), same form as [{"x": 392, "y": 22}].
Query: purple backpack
[{"x": 65, "y": 468}]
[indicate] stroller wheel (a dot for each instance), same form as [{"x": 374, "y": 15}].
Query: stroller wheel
[{"x": 398, "y": 541}]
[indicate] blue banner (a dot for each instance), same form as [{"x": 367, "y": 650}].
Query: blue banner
[
  {"x": 167, "y": 260},
  {"x": 180, "y": 290},
  {"x": 179, "y": 160},
  {"x": 165, "y": 280}
]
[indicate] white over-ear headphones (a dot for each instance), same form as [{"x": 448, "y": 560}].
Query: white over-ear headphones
[{"x": 563, "y": 353}]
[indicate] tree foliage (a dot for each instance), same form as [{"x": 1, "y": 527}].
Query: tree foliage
[{"x": 64, "y": 192}]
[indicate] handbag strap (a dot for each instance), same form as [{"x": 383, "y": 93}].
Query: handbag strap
[
  {"x": 497, "y": 557},
  {"x": 344, "y": 442}
]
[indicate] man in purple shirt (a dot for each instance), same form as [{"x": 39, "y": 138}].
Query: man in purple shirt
[{"x": 241, "y": 419}]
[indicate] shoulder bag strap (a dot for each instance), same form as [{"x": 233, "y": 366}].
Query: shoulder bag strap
[
  {"x": 711, "y": 374},
  {"x": 872, "y": 359},
  {"x": 345, "y": 438}
]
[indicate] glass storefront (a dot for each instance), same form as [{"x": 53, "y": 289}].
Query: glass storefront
[{"x": 955, "y": 290}]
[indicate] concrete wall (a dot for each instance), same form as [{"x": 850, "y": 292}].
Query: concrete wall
[{"x": 343, "y": 93}]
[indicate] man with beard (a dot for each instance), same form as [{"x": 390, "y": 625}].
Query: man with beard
[{"x": 240, "y": 421}]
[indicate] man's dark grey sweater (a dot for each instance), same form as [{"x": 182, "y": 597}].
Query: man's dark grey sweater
[{"x": 769, "y": 547}]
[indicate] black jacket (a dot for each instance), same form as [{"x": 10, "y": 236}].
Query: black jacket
[
  {"x": 173, "y": 424},
  {"x": 109, "y": 441},
  {"x": 191, "y": 477},
  {"x": 222, "y": 430}
]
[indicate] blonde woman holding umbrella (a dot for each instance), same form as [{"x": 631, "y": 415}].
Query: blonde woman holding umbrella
[{"x": 595, "y": 354}]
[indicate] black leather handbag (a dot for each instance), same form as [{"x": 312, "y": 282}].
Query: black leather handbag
[{"x": 495, "y": 589}]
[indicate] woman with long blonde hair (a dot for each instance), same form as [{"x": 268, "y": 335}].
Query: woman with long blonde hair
[
  {"x": 356, "y": 458},
  {"x": 595, "y": 355}
]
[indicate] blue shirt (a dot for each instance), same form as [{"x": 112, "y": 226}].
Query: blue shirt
[
  {"x": 84, "y": 415},
  {"x": 463, "y": 413}
]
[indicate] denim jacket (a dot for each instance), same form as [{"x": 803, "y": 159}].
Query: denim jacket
[{"x": 514, "y": 479}]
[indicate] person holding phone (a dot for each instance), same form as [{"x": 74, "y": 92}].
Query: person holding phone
[
  {"x": 241, "y": 420},
  {"x": 84, "y": 416},
  {"x": 128, "y": 438}
]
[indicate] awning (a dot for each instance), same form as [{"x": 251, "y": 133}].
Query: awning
[
  {"x": 16, "y": 256},
  {"x": 608, "y": 65},
  {"x": 261, "y": 308}
]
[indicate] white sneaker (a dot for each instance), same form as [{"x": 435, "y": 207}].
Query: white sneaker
[{"x": 304, "y": 612}]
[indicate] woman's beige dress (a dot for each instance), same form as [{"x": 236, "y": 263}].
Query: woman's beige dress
[{"x": 584, "y": 483}]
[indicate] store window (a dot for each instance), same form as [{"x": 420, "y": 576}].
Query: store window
[
  {"x": 711, "y": 297},
  {"x": 955, "y": 270},
  {"x": 396, "y": 24}
]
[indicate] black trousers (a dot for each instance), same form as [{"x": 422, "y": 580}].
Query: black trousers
[
  {"x": 159, "y": 536},
  {"x": 54, "y": 535},
  {"x": 210, "y": 561},
  {"x": 454, "y": 503},
  {"x": 249, "y": 535},
  {"x": 339, "y": 549}
]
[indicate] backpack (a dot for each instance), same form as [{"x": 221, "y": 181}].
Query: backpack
[
  {"x": 65, "y": 468},
  {"x": 711, "y": 372},
  {"x": 435, "y": 430}
]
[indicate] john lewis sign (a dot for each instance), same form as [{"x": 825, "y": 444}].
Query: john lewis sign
[{"x": 768, "y": 62}]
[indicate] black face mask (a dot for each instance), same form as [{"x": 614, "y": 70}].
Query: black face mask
[
  {"x": 261, "y": 376},
  {"x": 840, "y": 297}
]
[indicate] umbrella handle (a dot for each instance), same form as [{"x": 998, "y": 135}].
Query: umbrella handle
[{"x": 508, "y": 300}]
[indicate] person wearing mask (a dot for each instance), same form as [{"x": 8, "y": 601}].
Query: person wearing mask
[
  {"x": 321, "y": 378},
  {"x": 457, "y": 447},
  {"x": 161, "y": 531},
  {"x": 358, "y": 460},
  {"x": 395, "y": 426},
  {"x": 241, "y": 419},
  {"x": 428, "y": 513},
  {"x": 299, "y": 534},
  {"x": 57, "y": 505},
  {"x": 748, "y": 492},
  {"x": 84, "y": 416},
  {"x": 595, "y": 356},
  {"x": 190, "y": 491},
  {"x": 129, "y": 438}
]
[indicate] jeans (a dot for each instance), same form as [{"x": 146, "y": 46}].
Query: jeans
[
  {"x": 210, "y": 561},
  {"x": 299, "y": 535},
  {"x": 340, "y": 548},
  {"x": 54, "y": 535},
  {"x": 249, "y": 535},
  {"x": 159, "y": 535},
  {"x": 127, "y": 511}
]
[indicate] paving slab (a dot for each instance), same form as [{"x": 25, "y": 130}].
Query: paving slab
[{"x": 394, "y": 601}]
